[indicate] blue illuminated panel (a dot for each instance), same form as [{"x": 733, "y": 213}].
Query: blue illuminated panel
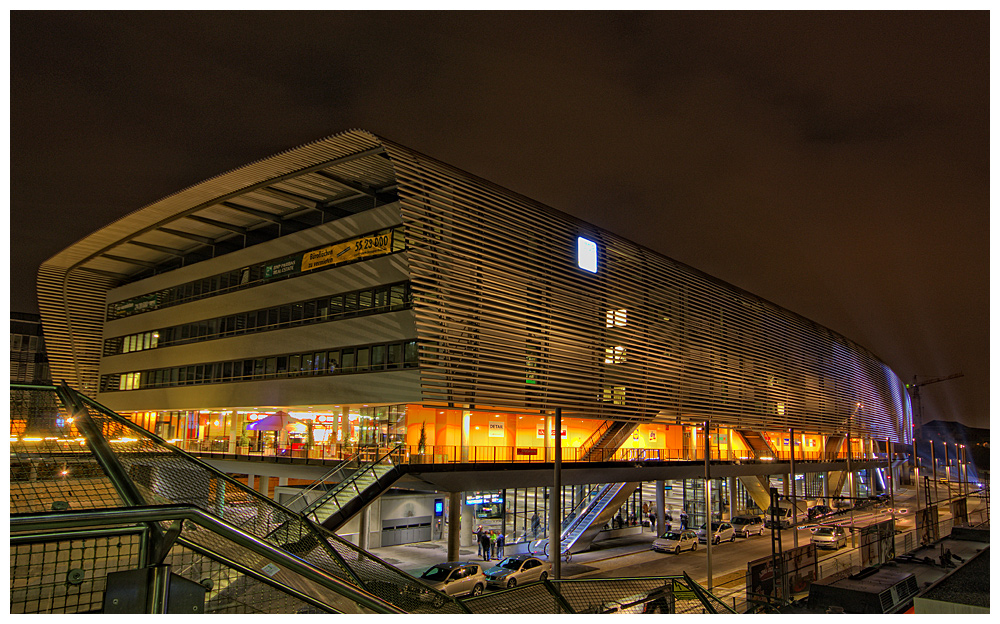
[{"x": 586, "y": 254}]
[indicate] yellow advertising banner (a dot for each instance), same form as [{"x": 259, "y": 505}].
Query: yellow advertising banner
[{"x": 373, "y": 245}]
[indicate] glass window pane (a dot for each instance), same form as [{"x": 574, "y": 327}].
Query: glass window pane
[
  {"x": 282, "y": 366},
  {"x": 319, "y": 362},
  {"x": 294, "y": 364},
  {"x": 365, "y": 300},
  {"x": 396, "y": 297},
  {"x": 410, "y": 353},
  {"x": 269, "y": 366},
  {"x": 336, "y": 306},
  {"x": 362, "y": 359},
  {"x": 381, "y": 297},
  {"x": 395, "y": 355},
  {"x": 351, "y": 302},
  {"x": 378, "y": 357},
  {"x": 347, "y": 360}
]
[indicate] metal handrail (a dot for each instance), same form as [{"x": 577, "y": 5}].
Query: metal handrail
[
  {"x": 596, "y": 437},
  {"x": 134, "y": 515},
  {"x": 351, "y": 481},
  {"x": 315, "y": 484}
]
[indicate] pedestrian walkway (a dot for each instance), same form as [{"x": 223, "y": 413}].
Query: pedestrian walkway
[{"x": 416, "y": 558}]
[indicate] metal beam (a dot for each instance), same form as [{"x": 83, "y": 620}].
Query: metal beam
[
  {"x": 195, "y": 237},
  {"x": 260, "y": 214},
  {"x": 167, "y": 250},
  {"x": 288, "y": 196},
  {"x": 140, "y": 263},
  {"x": 219, "y": 224}
]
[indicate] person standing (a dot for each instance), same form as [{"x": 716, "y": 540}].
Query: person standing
[
  {"x": 500, "y": 546},
  {"x": 535, "y": 525},
  {"x": 493, "y": 544},
  {"x": 484, "y": 544},
  {"x": 478, "y": 533}
]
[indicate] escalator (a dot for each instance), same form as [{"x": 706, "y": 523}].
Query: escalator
[
  {"x": 583, "y": 524},
  {"x": 606, "y": 440},
  {"x": 357, "y": 490}
]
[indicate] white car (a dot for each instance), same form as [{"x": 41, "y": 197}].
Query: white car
[
  {"x": 456, "y": 578},
  {"x": 517, "y": 570},
  {"x": 720, "y": 531},
  {"x": 829, "y": 536},
  {"x": 676, "y": 541}
]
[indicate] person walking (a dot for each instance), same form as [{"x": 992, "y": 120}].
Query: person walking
[{"x": 535, "y": 525}]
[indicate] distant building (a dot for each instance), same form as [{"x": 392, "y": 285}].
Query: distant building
[{"x": 28, "y": 360}]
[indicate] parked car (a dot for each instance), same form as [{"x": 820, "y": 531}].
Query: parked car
[
  {"x": 456, "y": 578},
  {"x": 720, "y": 531},
  {"x": 745, "y": 526},
  {"x": 676, "y": 541},
  {"x": 821, "y": 511},
  {"x": 829, "y": 536},
  {"x": 517, "y": 570}
]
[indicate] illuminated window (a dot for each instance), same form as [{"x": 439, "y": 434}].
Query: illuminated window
[
  {"x": 614, "y": 394},
  {"x": 614, "y": 355},
  {"x": 616, "y": 318},
  {"x": 586, "y": 254}
]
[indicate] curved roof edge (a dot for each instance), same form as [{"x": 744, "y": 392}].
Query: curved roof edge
[{"x": 284, "y": 163}]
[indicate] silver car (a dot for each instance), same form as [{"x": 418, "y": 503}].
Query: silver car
[
  {"x": 745, "y": 526},
  {"x": 517, "y": 570},
  {"x": 721, "y": 531},
  {"x": 829, "y": 536},
  {"x": 676, "y": 541},
  {"x": 456, "y": 578}
]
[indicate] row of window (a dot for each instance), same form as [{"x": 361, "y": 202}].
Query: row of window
[
  {"x": 361, "y": 359},
  {"x": 356, "y": 303},
  {"x": 246, "y": 277}
]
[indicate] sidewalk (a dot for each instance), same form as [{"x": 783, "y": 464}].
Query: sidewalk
[{"x": 416, "y": 558}]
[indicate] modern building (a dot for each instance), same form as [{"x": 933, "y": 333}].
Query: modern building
[
  {"x": 28, "y": 360},
  {"x": 353, "y": 292}
]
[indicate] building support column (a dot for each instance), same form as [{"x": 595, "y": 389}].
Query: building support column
[
  {"x": 661, "y": 514},
  {"x": 454, "y": 525},
  {"x": 363, "y": 530},
  {"x": 555, "y": 500},
  {"x": 710, "y": 535},
  {"x": 732, "y": 498},
  {"x": 791, "y": 477}
]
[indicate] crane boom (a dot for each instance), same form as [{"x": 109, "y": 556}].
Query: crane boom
[{"x": 914, "y": 389}]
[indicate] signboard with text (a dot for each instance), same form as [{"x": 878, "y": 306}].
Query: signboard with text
[{"x": 363, "y": 247}]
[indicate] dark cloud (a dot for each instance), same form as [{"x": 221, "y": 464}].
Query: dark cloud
[{"x": 835, "y": 163}]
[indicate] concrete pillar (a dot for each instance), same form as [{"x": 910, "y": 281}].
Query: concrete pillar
[
  {"x": 454, "y": 525},
  {"x": 235, "y": 425},
  {"x": 263, "y": 485},
  {"x": 555, "y": 506},
  {"x": 364, "y": 533},
  {"x": 661, "y": 515},
  {"x": 732, "y": 498},
  {"x": 250, "y": 479},
  {"x": 345, "y": 429}
]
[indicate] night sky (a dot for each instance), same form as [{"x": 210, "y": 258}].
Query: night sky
[{"x": 834, "y": 163}]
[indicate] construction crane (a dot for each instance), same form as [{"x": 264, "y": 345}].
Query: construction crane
[{"x": 914, "y": 389}]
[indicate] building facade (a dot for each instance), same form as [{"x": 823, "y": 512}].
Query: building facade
[
  {"x": 362, "y": 293},
  {"x": 28, "y": 360}
]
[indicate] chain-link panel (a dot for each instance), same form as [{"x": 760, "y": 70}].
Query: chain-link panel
[
  {"x": 68, "y": 576},
  {"x": 388, "y": 582},
  {"x": 230, "y": 591},
  {"x": 530, "y": 598},
  {"x": 51, "y": 466}
]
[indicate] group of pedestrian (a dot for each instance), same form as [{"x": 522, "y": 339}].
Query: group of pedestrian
[{"x": 490, "y": 542}]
